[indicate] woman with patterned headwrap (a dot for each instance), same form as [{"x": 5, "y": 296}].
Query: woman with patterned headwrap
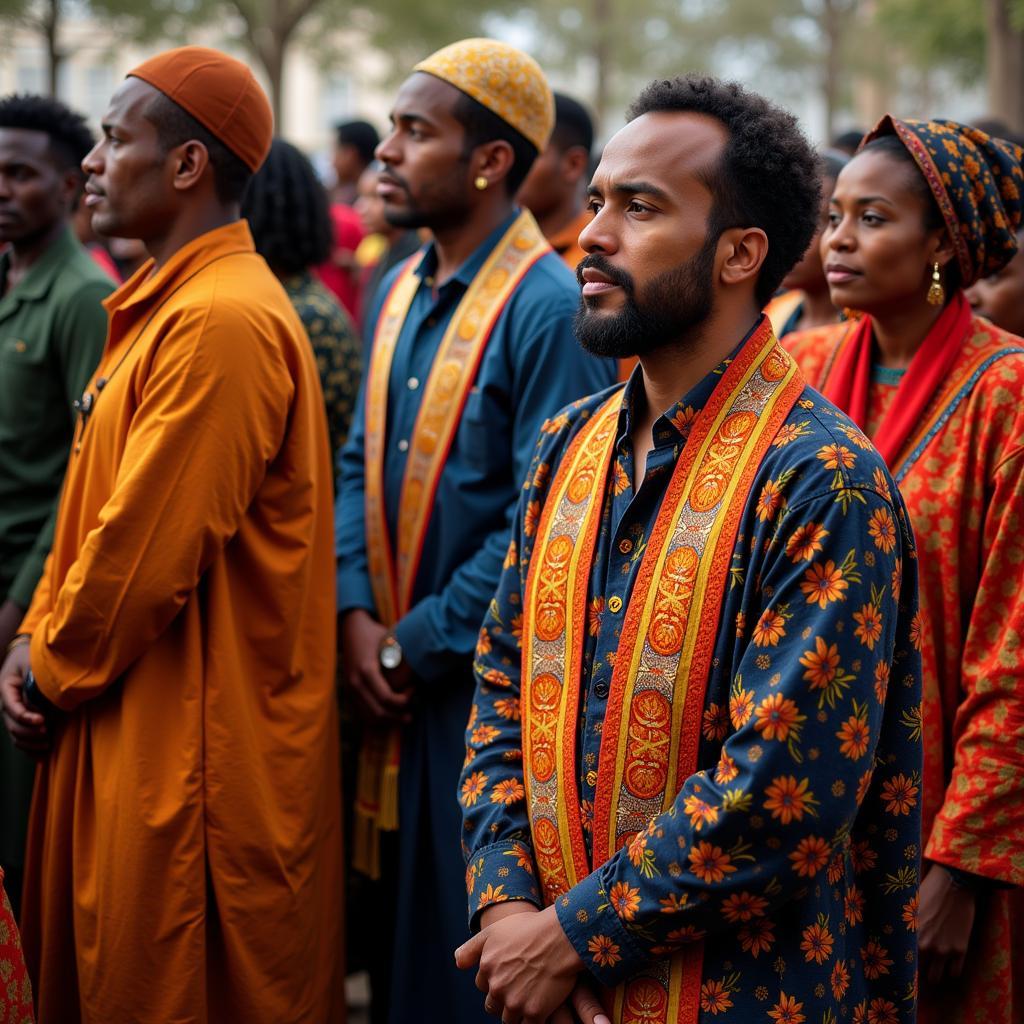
[{"x": 923, "y": 211}]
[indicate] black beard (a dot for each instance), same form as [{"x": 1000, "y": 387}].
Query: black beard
[{"x": 671, "y": 306}]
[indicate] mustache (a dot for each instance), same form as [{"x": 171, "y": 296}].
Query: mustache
[
  {"x": 595, "y": 261},
  {"x": 393, "y": 178}
]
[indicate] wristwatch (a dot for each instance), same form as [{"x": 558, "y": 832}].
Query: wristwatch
[
  {"x": 390, "y": 653},
  {"x": 35, "y": 699}
]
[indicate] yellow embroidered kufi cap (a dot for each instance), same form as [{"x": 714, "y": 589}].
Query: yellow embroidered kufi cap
[{"x": 505, "y": 80}]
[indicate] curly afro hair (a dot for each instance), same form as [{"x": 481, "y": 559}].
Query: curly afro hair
[
  {"x": 70, "y": 138},
  {"x": 768, "y": 177},
  {"x": 288, "y": 212}
]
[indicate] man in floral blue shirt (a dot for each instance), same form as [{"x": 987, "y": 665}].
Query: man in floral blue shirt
[{"x": 692, "y": 780}]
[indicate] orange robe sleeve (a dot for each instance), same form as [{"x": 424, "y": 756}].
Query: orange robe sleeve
[
  {"x": 211, "y": 415},
  {"x": 980, "y": 827}
]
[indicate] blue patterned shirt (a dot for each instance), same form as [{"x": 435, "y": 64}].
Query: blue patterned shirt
[{"x": 794, "y": 851}]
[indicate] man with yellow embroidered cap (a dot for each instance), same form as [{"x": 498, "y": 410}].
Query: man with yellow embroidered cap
[
  {"x": 175, "y": 672},
  {"x": 694, "y": 757},
  {"x": 472, "y": 348}
]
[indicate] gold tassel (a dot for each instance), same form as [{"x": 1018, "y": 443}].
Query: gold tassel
[
  {"x": 936, "y": 293},
  {"x": 376, "y": 807}
]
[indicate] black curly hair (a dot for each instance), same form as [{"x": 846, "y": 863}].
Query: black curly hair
[
  {"x": 70, "y": 137},
  {"x": 175, "y": 125},
  {"x": 287, "y": 210},
  {"x": 768, "y": 174}
]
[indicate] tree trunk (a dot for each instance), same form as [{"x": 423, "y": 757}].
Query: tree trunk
[
  {"x": 602, "y": 58},
  {"x": 50, "y": 25},
  {"x": 1005, "y": 64},
  {"x": 832, "y": 28},
  {"x": 272, "y": 58}
]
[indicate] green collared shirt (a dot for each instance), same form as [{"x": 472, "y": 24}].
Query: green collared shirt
[{"x": 52, "y": 332}]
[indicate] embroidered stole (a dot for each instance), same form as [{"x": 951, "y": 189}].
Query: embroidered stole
[
  {"x": 651, "y": 731},
  {"x": 393, "y": 572}
]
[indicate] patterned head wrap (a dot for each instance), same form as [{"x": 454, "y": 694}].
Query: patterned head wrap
[
  {"x": 505, "y": 80},
  {"x": 976, "y": 181}
]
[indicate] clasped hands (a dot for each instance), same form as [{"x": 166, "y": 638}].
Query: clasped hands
[
  {"x": 528, "y": 969},
  {"x": 27, "y": 727}
]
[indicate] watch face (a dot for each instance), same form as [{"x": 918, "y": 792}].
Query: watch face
[{"x": 391, "y": 656}]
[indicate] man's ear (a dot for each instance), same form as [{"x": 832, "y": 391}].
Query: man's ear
[
  {"x": 741, "y": 254},
  {"x": 71, "y": 185},
  {"x": 191, "y": 160},
  {"x": 575, "y": 161},
  {"x": 493, "y": 161}
]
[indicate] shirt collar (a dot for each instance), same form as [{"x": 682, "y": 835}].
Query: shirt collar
[
  {"x": 471, "y": 267},
  {"x": 36, "y": 283},
  {"x": 674, "y": 424},
  {"x": 148, "y": 282}
]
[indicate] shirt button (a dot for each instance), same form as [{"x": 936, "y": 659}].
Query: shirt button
[
  {"x": 601, "y": 689},
  {"x": 591, "y": 778},
  {"x": 412, "y": 383},
  {"x": 429, "y": 282},
  {"x": 431, "y": 321},
  {"x": 625, "y": 546},
  {"x": 403, "y": 445},
  {"x": 615, "y": 604}
]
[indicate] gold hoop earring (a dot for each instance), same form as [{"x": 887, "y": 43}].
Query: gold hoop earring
[
  {"x": 480, "y": 183},
  {"x": 936, "y": 293}
]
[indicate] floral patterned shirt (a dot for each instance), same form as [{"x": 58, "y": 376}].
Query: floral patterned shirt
[{"x": 794, "y": 851}]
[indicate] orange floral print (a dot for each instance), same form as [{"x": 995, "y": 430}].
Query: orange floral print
[
  {"x": 824, "y": 584},
  {"x": 709, "y": 863},
  {"x": 806, "y": 541},
  {"x": 789, "y": 800},
  {"x": 777, "y": 716}
]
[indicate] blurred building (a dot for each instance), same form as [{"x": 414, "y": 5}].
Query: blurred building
[{"x": 314, "y": 98}]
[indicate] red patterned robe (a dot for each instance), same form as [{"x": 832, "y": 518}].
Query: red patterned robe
[
  {"x": 15, "y": 990},
  {"x": 964, "y": 486}
]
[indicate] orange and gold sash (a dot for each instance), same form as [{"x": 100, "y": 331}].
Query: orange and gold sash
[
  {"x": 393, "y": 574},
  {"x": 651, "y": 732}
]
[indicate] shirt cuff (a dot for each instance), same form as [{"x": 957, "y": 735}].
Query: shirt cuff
[
  {"x": 354, "y": 591},
  {"x": 597, "y": 933},
  {"x": 428, "y": 654},
  {"x": 497, "y": 874},
  {"x": 39, "y": 662},
  {"x": 976, "y": 853}
]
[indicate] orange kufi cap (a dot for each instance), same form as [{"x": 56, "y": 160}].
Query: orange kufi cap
[
  {"x": 220, "y": 92},
  {"x": 505, "y": 80}
]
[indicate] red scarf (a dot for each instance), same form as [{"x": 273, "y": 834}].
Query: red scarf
[{"x": 849, "y": 382}]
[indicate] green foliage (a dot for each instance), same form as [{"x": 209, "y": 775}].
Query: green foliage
[{"x": 944, "y": 33}]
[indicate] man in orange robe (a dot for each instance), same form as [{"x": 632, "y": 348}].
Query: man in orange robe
[{"x": 176, "y": 673}]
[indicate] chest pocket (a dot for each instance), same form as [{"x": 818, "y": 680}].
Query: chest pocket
[
  {"x": 484, "y": 433},
  {"x": 24, "y": 380}
]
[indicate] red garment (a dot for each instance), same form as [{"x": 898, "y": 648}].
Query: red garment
[
  {"x": 340, "y": 272},
  {"x": 15, "y": 990},
  {"x": 105, "y": 261},
  {"x": 849, "y": 382},
  {"x": 965, "y": 493}
]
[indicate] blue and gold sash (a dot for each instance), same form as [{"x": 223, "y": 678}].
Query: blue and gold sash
[{"x": 393, "y": 573}]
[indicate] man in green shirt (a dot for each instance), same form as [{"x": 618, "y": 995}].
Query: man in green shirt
[{"x": 52, "y": 330}]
